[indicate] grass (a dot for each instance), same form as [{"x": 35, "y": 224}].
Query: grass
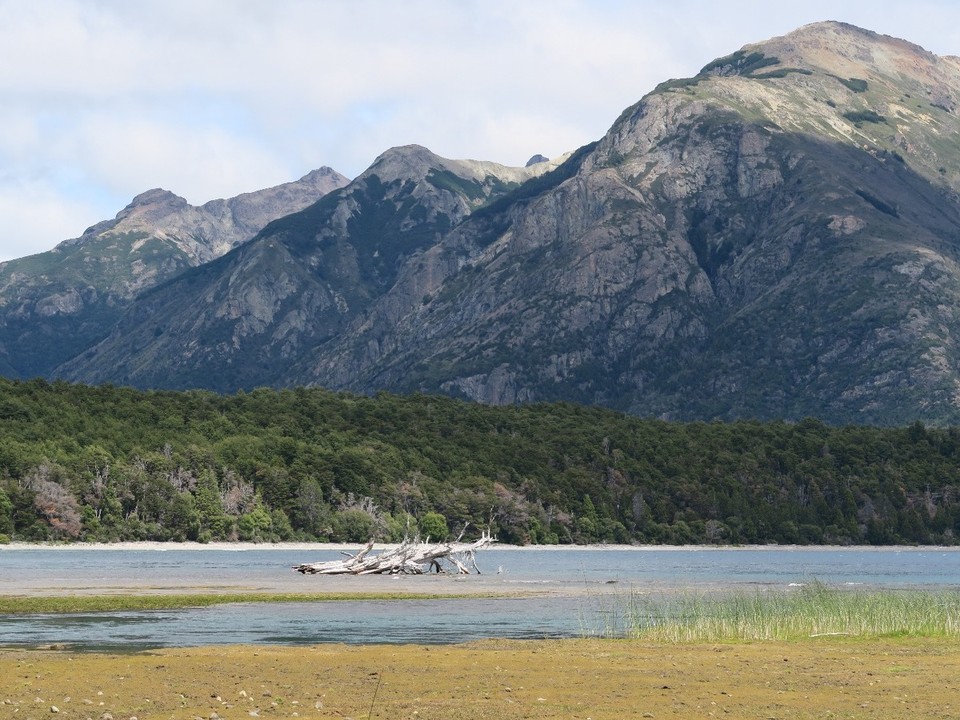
[
  {"x": 814, "y": 610},
  {"x": 23, "y": 605}
]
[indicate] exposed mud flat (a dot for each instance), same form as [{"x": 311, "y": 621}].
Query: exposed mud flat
[{"x": 821, "y": 677}]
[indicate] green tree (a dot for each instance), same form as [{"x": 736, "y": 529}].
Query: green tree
[
  {"x": 181, "y": 520},
  {"x": 400, "y": 526},
  {"x": 6, "y": 514},
  {"x": 354, "y": 526},
  {"x": 256, "y": 525},
  {"x": 214, "y": 522},
  {"x": 280, "y": 525},
  {"x": 433, "y": 525},
  {"x": 311, "y": 514}
]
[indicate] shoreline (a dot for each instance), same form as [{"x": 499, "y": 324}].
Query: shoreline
[
  {"x": 63, "y": 581},
  {"x": 150, "y": 545}
]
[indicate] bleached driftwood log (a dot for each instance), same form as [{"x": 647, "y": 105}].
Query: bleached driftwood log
[{"x": 411, "y": 557}]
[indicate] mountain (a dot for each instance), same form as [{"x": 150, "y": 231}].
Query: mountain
[
  {"x": 778, "y": 236},
  {"x": 775, "y": 237},
  {"x": 250, "y": 317},
  {"x": 54, "y": 304}
]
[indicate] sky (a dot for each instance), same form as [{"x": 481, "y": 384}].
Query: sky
[{"x": 101, "y": 100}]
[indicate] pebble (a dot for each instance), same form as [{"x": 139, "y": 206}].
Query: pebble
[{"x": 54, "y": 709}]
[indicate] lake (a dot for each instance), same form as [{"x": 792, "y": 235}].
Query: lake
[{"x": 579, "y": 591}]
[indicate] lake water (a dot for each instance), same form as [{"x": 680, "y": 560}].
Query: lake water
[{"x": 580, "y": 591}]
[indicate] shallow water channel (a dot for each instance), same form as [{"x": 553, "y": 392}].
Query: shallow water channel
[{"x": 578, "y": 591}]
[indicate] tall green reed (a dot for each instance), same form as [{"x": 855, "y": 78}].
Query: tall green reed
[{"x": 812, "y": 610}]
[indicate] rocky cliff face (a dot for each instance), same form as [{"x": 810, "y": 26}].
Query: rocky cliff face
[
  {"x": 57, "y": 303},
  {"x": 775, "y": 237}
]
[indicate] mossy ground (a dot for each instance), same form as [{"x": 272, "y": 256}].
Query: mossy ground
[{"x": 817, "y": 678}]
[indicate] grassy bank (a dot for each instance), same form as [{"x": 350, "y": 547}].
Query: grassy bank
[
  {"x": 21, "y": 605},
  {"x": 813, "y": 610}
]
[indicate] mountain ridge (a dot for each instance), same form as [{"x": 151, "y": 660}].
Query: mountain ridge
[
  {"x": 57, "y": 303},
  {"x": 300, "y": 281}
]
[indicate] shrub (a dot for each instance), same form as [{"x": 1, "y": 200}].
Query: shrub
[
  {"x": 354, "y": 526},
  {"x": 434, "y": 526},
  {"x": 862, "y": 116},
  {"x": 855, "y": 84}
]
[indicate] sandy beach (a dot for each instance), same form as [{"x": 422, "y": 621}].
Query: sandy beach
[{"x": 165, "y": 546}]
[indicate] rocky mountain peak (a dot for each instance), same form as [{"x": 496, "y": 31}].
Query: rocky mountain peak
[
  {"x": 405, "y": 162},
  {"x": 147, "y": 209},
  {"x": 323, "y": 176},
  {"x": 845, "y": 49},
  {"x": 157, "y": 196},
  {"x": 152, "y": 206},
  {"x": 827, "y": 80}
]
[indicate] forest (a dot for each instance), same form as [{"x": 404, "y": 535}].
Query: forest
[{"x": 105, "y": 464}]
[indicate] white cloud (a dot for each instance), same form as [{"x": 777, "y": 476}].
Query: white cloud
[
  {"x": 139, "y": 152},
  {"x": 33, "y": 213},
  {"x": 102, "y": 99}
]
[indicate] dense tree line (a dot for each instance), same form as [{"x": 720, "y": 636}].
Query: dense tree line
[{"x": 106, "y": 463}]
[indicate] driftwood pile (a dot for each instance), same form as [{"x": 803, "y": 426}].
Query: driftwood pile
[{"x": 411, "y": 557}]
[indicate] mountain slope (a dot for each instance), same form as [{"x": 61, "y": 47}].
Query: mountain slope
[
  {"x": 56, "y": 303},
  {"x": 776, "y": 237},
  {"x": 244, "y": 320}
]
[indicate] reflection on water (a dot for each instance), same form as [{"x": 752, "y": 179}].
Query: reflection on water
[{"x": 580, "y": 581}]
